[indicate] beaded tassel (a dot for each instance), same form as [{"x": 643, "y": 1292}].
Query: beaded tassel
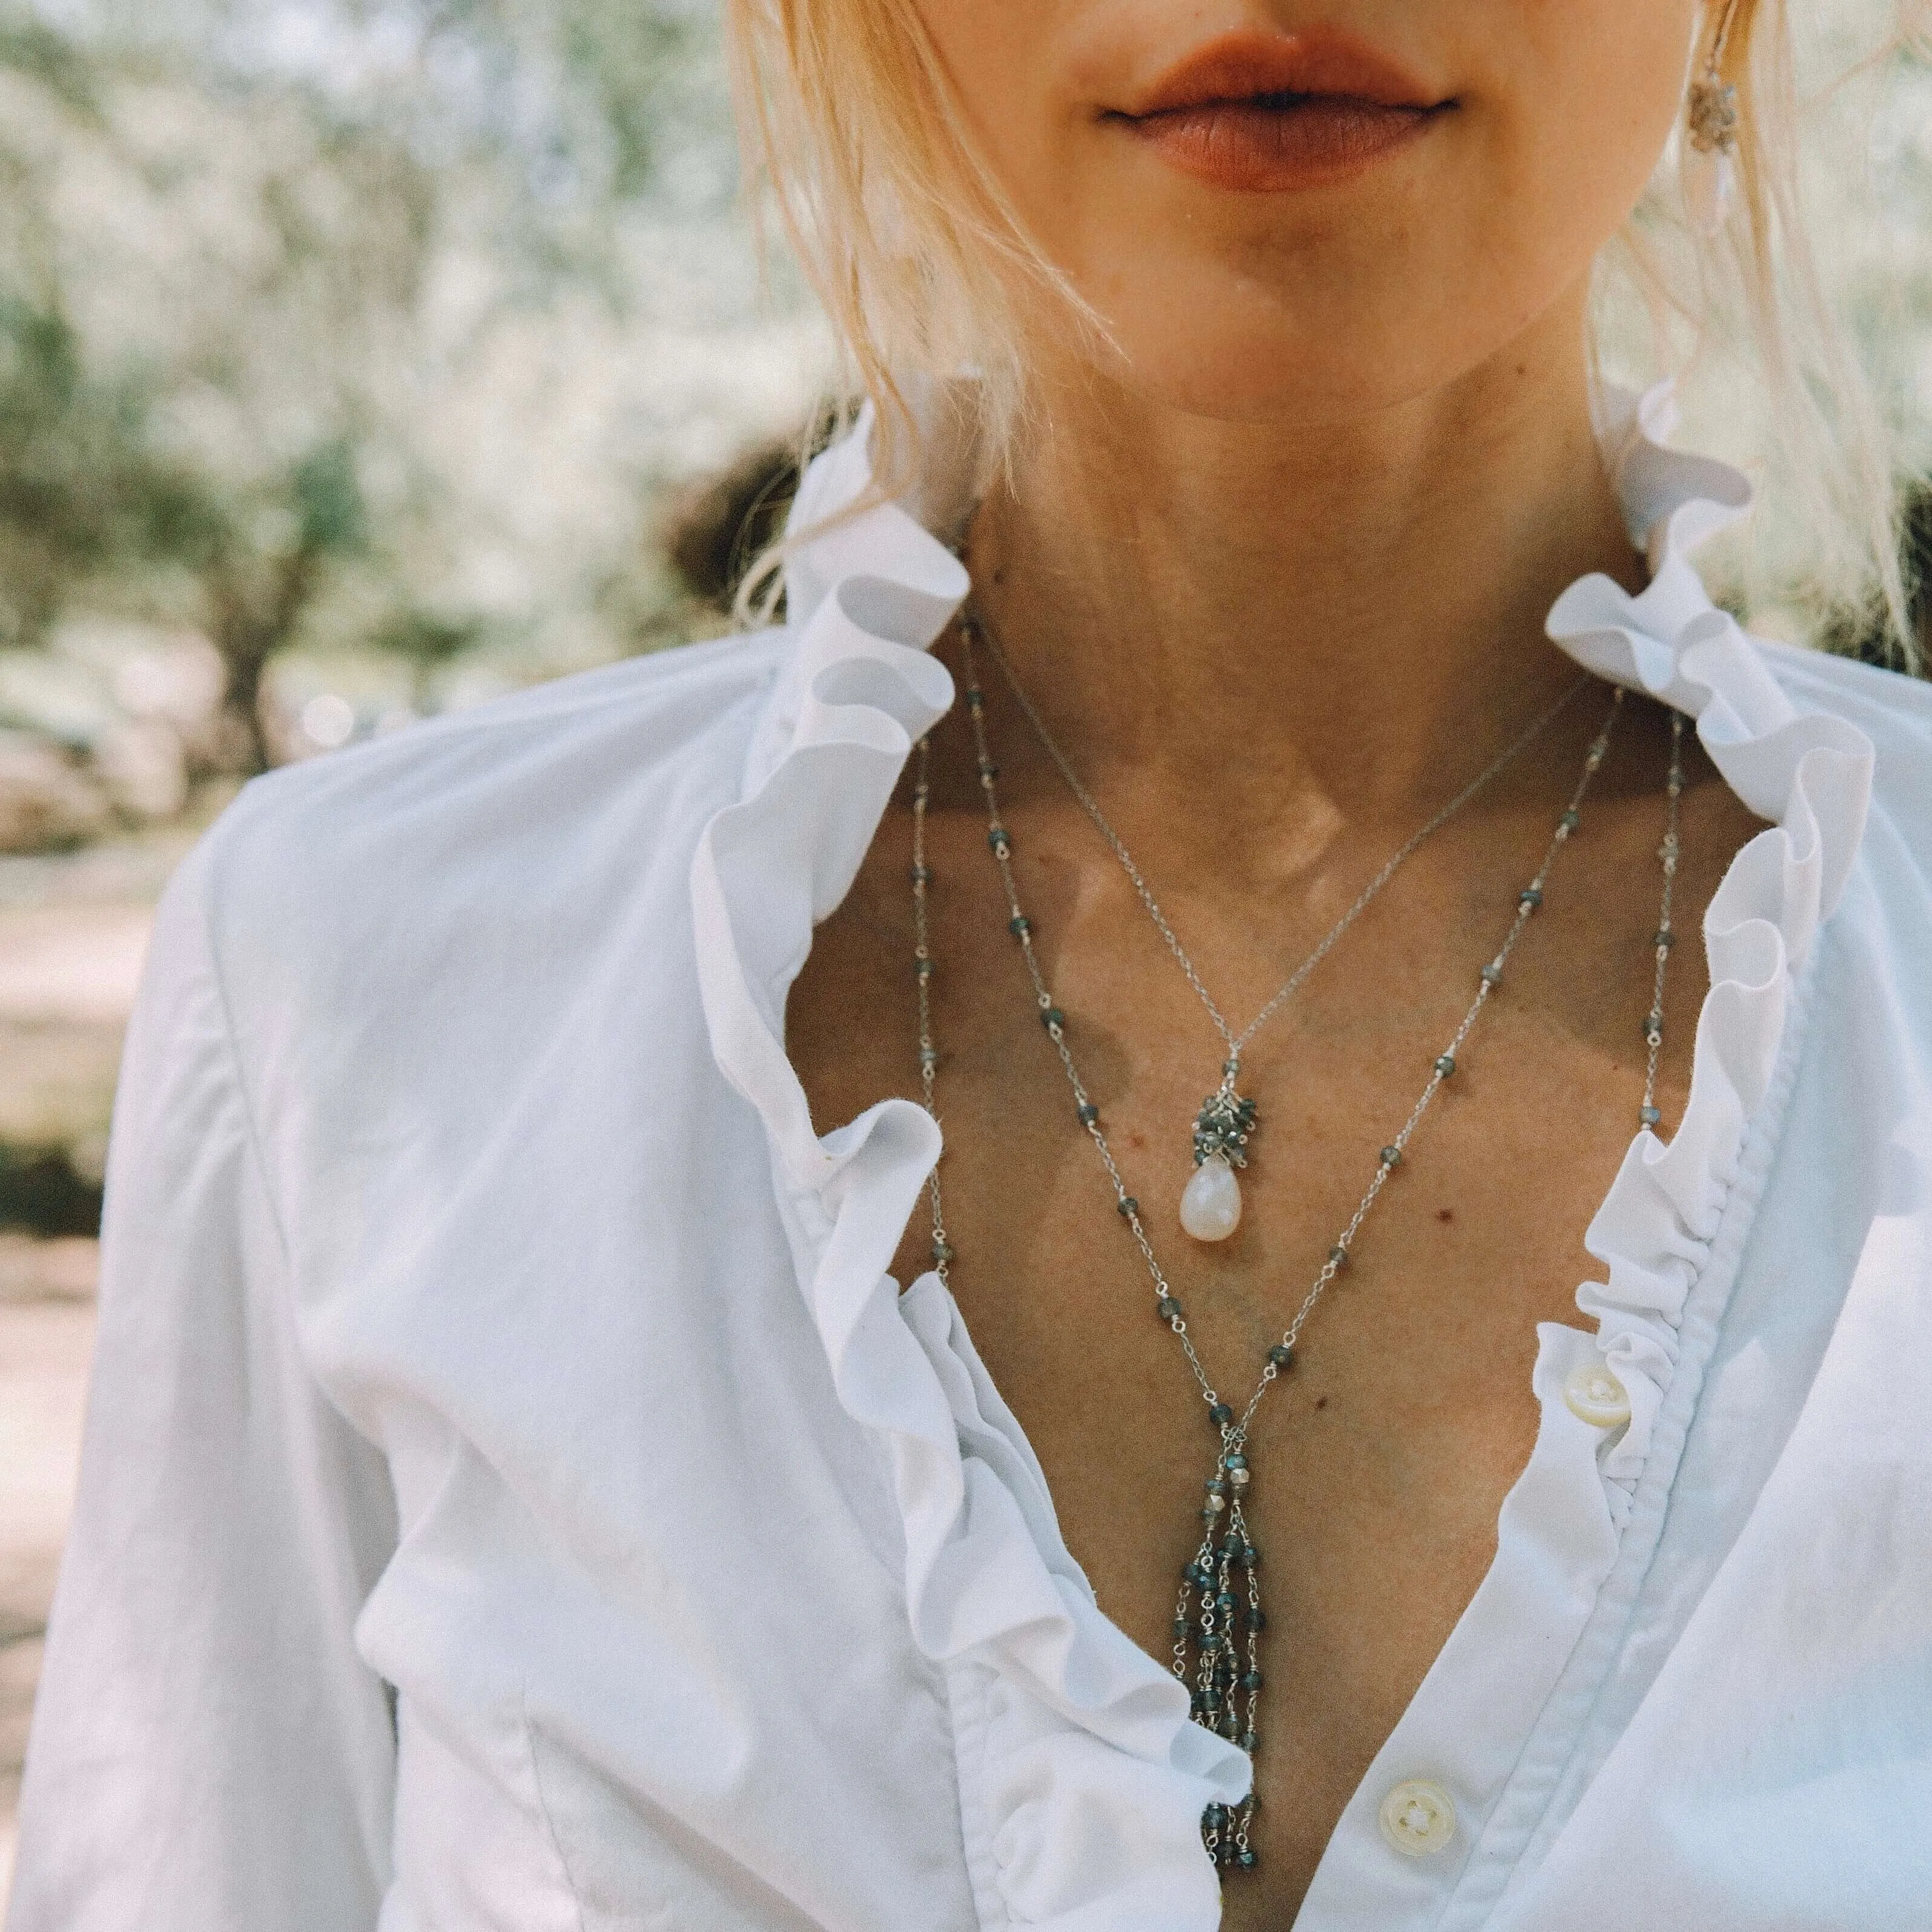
[{"x": 1217, "y": 1630}]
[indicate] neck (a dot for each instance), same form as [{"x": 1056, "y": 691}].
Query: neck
[{"x": 1341, "y": 619}]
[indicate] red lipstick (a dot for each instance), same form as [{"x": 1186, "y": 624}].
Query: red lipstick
[{"x": 1264, "y": 113}]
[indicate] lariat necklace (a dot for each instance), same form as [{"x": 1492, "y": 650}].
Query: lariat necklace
[
  {"x": 1210, "y": 1204},
  {"x": 1218, "y": 1619}
]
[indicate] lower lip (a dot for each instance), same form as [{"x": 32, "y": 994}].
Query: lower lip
[{"x": 1259, "y": 148}]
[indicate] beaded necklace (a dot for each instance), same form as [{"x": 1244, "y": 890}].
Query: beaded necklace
[
  {"x": 1210, "y": 1208},
  {"x": 1218, "y": 1619}
]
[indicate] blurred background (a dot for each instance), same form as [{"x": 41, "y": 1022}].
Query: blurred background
[{"x": 360, "y": 360}]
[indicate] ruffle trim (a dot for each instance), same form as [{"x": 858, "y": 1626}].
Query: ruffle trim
[
  {"x": 1086, "y": 1773},
  {"x": 1083, "y": 1777},
  {"x": 1808, "y": 774}
]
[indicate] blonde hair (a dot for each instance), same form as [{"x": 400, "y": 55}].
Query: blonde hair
[{"x": 848, "y": 118}]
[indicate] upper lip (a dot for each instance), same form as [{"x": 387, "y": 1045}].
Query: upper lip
[{"x": 1246, "y": 64}]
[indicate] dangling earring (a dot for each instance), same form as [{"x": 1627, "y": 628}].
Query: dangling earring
[{"x": 1710, "y": 161}]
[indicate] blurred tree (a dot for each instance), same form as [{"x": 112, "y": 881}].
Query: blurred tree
[
  {"x": 426, "y": 641},
  {"x": 258, "y": 591},
  {"x": 81, "y": 486},
  {"x": 316, "y": 323}
]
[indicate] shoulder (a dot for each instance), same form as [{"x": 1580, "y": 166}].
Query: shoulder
[
  {"x": 484, "y": 838},
  {"x": 480, "y": 787},
  {"x": 1881, "y": 933}
]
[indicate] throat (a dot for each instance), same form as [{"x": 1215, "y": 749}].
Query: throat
[{"x": 1260, "y": 619}]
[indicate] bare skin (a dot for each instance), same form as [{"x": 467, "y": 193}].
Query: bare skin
[
  {"x": 1275, "y": 563},
  {"x": 1383, "y": 1459}
]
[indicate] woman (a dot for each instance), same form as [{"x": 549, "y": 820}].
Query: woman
[{"x": 520, "y": 1492}]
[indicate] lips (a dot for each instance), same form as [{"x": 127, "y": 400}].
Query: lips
[{"x": 1268, "y": 112}]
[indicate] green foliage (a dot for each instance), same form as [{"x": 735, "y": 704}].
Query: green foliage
[
  {"x": 83, "y": 489},
  {"x": 319, "y": 324},
  {"x": 331, "y": 515}
]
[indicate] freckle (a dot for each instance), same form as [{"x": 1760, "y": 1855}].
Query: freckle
[
  {"x": 1445, "y": 1213},
  {"x": 1136, "y": 1141},
  {"x": 1320, "y": 1402}
]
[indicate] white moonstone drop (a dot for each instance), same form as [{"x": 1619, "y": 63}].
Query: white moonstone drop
[
  {"x": 1210, "y": 1205},
  {"x": 1710, "y": 189}
]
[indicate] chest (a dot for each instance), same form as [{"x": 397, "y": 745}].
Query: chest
[{"x": 1380, "y": 1458}]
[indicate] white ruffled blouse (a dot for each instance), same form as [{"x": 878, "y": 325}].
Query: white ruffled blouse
[{"x": 516, "y": 1496}]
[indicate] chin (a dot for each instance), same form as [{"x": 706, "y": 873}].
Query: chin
[{"x": 1275, "y": 368}]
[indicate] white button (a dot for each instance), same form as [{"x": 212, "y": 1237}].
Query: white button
[
  {"x": 1418, "y": 1817},
  {"x": 1596, "y": 1395}
]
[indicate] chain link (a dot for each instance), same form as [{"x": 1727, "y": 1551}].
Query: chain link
[
  {"x": 1236, "y": 1043},
  {"x": 1649, "y": 1115},
  {"x": 1226, "y": 1828}
]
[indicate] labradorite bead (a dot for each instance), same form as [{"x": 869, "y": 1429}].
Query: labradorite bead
[
  {"x": 1251, "y": 1681},
  {"x": 1169, "y": 1308},
  {"x": 1445, "y": 1065},
  {"x": 1220, "y": 1414},
  {"x": 1530, "y": 896},
  {"x": 1051, "y": 1017},
  {"x": 1281, "y": 1355},
  {"x": 1391, "y": 1156},
  {"x": 1570, "y": 820},
  {"x": 1127, "y": 1206},
  {"x": 1255, "y": 1620}
]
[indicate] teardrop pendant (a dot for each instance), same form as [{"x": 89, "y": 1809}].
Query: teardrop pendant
[
  {"x": 1710, "y": 178},
  {"x": 1210, "y": 1204}
]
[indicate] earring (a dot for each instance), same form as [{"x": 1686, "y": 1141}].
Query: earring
[{"x": 1710, "y": 165}]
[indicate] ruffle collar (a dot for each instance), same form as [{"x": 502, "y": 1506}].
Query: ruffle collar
[
  {"x": 1082, "y": 1777},
  {"x": 1087, "y": 1779},
  {"x": 1809, "y": 774}
]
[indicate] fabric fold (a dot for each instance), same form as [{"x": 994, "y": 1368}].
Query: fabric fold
[
  {"x": 1082, "y": 1777},
  {"x": 1076, "y": 1747},
  {"x": 1809, "y": 774}
]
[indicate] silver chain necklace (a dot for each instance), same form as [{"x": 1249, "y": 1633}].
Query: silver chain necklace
[
  {"x": 1218, "y": 1619},
  {"x": 1210, "y": 1205}
]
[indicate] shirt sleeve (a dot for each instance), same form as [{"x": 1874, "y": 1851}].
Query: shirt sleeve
[{"x": 209, "y": 1754}]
